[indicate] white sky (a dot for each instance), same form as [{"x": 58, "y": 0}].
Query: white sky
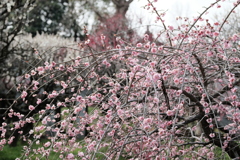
[{"x": 175, "y": 8}]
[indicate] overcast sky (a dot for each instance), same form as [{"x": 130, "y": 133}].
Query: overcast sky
[{"x": 175, "y": 8}]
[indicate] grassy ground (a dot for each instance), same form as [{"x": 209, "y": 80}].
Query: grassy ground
[{"x": 11, "y": 153}]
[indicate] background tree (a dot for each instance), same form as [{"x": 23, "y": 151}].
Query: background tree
[
  {"x": 46, "y": 17},
  {"x": 13, "y": 18},
  {"x": 65, "y": 17},
  {"x": 232, "y": 25}
]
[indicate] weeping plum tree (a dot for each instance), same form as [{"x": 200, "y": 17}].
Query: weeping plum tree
[{"x": 179, "y": 100}]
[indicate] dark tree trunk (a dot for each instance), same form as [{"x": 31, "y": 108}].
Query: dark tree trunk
[{"x": 232, "y": 149}]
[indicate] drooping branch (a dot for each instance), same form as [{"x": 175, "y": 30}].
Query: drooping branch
[
  {"x": 225, "y": 20},
  {"x": 162, "y": 21},
  {"x": 194, "y": 23}
]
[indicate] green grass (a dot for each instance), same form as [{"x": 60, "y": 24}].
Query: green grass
[
  {"x": 219, "y": 154},
  {"x": 11, "y": 153}
]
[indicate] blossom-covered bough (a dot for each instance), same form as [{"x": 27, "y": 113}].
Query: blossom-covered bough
[{"x": 179, "y": 100}]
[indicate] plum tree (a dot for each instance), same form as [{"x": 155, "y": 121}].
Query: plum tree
[{"x": 150, "y": 108}]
